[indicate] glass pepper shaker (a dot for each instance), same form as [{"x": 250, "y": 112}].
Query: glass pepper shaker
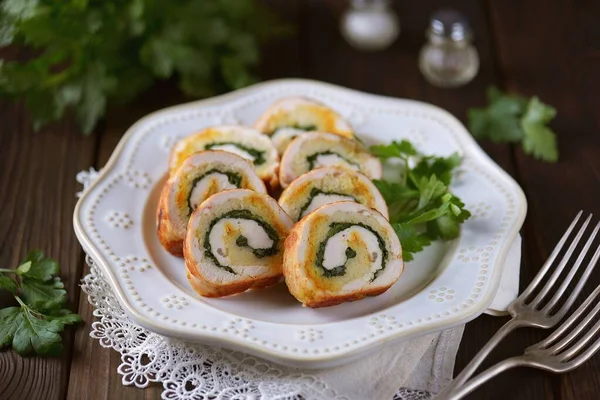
[
  {"x": 448, "y": 59},
  {"x": 370, "y": 25}
]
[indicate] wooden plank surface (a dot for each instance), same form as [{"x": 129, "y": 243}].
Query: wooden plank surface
[
  {"x": 93, "y": 373},
  {"x": 37, "y": 193},
  {"x": 562, "y": 69},
  {"x": 547, "y": 49}
]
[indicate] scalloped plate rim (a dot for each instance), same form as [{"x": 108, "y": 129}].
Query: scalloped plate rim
[{"x": 297, "y": 360}]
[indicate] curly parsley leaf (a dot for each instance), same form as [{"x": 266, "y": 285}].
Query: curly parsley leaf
[
  {"x": 35, "y": 326},
  {"x": 421, "y": 207},
  {"x": 515, "y": 119}
]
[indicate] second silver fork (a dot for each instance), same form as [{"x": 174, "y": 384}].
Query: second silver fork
[{"x": 528, "y": 313}]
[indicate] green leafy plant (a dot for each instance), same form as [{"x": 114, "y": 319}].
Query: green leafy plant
[
  {"x": 421, "y": 207},
  {"x": 515, "y": 119},
  {"x": 35, "y": 325},
  {"x": 86, "y": 53}
]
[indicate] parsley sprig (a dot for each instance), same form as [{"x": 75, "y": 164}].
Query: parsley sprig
[
  {"x": 35, "y": 325},
  {"x": 516, "y": 119},
  {"x": 421, "y": 207},
  {"x": 84, "y": 55}
]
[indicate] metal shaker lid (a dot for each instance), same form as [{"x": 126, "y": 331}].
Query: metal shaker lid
[{"x": 450, "y": 24}]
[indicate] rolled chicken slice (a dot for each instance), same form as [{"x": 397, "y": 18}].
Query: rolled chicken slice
[
  {"x": 234, "y": 242},
  {"x": 341, "y": 252},
  {"x": 319, "y": 149},
  {"x": 293, "y": 116},
  {"x": 200, "y": 176},
  {"x": 328, "y": 185},
  {"x": 243, "y": 141}
]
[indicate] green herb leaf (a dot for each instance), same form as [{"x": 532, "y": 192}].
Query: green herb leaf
[
  {"x": 43, "y": 295},
  {"x": 412, "y": 241},
  {"x": 400, "y": 149},
  {"x": 515, "y": 119},
  {"x": 430, "y": 188},
  {"x": 499, "y": 122},
  {"x": 421, "y": 208},
  {"x": 28, "y": 332},
  {"x": 539, "y": 140},
  {"x": 7, "y": 283},
  {"x": 64, "y": 316},
  {"x": 36, "y": 266},
  {"x": 84, "y": 55},
  {"x": 34, "y": 327},
  {"x": 441, "y": 167}
]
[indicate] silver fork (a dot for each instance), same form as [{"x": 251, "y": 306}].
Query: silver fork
[
  {"x": 525, "y": 312},
  {"x": 558, "y": 353}
]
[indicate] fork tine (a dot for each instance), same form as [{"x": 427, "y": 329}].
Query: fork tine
[
  {"x": 563, "y": 287},
  {"x": 585, "y": 339},
  {"x": 565, "y": 326},
  {"x": 577, "y": 289},
  {"x": 551, "y": 259},
  {"x": 563, "y": 262},
  {"x": 583, "y": 357}
]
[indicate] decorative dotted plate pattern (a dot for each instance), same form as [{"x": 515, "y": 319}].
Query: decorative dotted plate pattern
[{"x": 108, "y": 223}]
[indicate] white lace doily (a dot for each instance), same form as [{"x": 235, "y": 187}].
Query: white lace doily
[{"x": 193, "y": 371}]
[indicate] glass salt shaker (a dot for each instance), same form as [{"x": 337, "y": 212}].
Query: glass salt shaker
[
  {"x": 370, "y": 25},
  {"x": 449, "y": 59}
]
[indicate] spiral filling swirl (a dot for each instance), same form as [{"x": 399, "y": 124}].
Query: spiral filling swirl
[
  {"x": 347, "y": 240},
  {"x": 233, "y": 234}
]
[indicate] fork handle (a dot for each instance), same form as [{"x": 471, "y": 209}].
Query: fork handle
[
  {"x": 459, "y": 392},
  {"x": 479, "y": 357}
]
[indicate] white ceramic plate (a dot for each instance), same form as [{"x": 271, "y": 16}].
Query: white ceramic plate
[{"x": 446, "y": 285}]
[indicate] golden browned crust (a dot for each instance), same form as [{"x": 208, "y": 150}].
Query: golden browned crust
[
  {"x": 168, "y": 239},
  {"x": 290, "y": 268},
  {"x": 207, "y": 288},
  {"x": 302, "y": 289},
  {"x": 335, "y": 300},
  {"x": 328, "y": 117}
]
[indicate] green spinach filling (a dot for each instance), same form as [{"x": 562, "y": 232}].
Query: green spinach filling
[
  {"x": 259, "y": 155},
  {"x": 337, "y": 227},
  {"x": 315, "y": 192},
  {"x": 313, "y": 158},
  {"x": 242, "y": 241},
  {"x": 299, "y": 127},
  {"x": 232, "y": 177}
]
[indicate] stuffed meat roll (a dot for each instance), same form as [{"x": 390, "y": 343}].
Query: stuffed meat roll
[
  {"x": 293, "y": 116},
  {"x": 234, "y": 242},
  {"x": 200, "y": 176},
  {"x": 341, "y": 252},
  {"x": 246, "y": 142},
  {"x": 328, "y": 185},
  {"x": 317, "y": 149}
]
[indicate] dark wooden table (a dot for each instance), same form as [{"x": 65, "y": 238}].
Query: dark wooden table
[{"x": 549, "y": 49}]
